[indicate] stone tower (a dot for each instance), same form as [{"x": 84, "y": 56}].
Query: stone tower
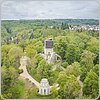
[
  {"x": 44, "y": 88},
  {"x": 48, "y": 49}
]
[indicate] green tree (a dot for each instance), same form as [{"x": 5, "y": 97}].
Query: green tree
[
  {"x": 30, "y": 51},
  {"x": 60, "y": 46},
  {"x": 72, "y": 53},
  {"x": 4, "y": 53},
  {"x": 96, "y": 69},
  {"x": 61, "y": 93},
  {"x": 14, "y": 55},
  {"x": 9, "y": 76},
  {"x": 17, "y": 90},
  {"x": 54, "y": 92},
  {"x": 86, "y": 62},
  {"x": 38, "y": 46},
  {"x": 91, "y": 85},
  {"x": 71, "y": 88},
  {"x": 43, "y": 69},
  {"x": 32, "y": 93},
  {"x": 22, "y": 44},
  {"x": 73, "y": 69},
  {"x": 62, "y": 78},
  {"x": 84, "y": 37},
  {"x": 83, "y": 73},
  {"x": 87, "y": 58},
  {"x": 64, "y": 64},
  {"x": 93, "y": 45}
]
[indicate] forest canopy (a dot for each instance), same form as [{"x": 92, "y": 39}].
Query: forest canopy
[{"x": 78, "y": 49}]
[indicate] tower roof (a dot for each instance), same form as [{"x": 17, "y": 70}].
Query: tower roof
[
  {"x": 44, "y": 83},
  {"x": 48, "y": 43}
]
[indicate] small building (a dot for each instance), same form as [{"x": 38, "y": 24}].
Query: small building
[{"x": 44, "y": 88}]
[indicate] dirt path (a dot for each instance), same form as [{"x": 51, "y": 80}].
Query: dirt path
[{"x": 26, "y": 75}]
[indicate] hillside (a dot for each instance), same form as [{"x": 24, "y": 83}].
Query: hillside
[{"x": 76, "y": 70}]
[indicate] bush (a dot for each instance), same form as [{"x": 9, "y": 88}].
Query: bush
[{"x": 20, "y": 71}]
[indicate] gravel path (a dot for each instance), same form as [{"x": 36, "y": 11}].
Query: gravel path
[{"x": 26, "y": 75}]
